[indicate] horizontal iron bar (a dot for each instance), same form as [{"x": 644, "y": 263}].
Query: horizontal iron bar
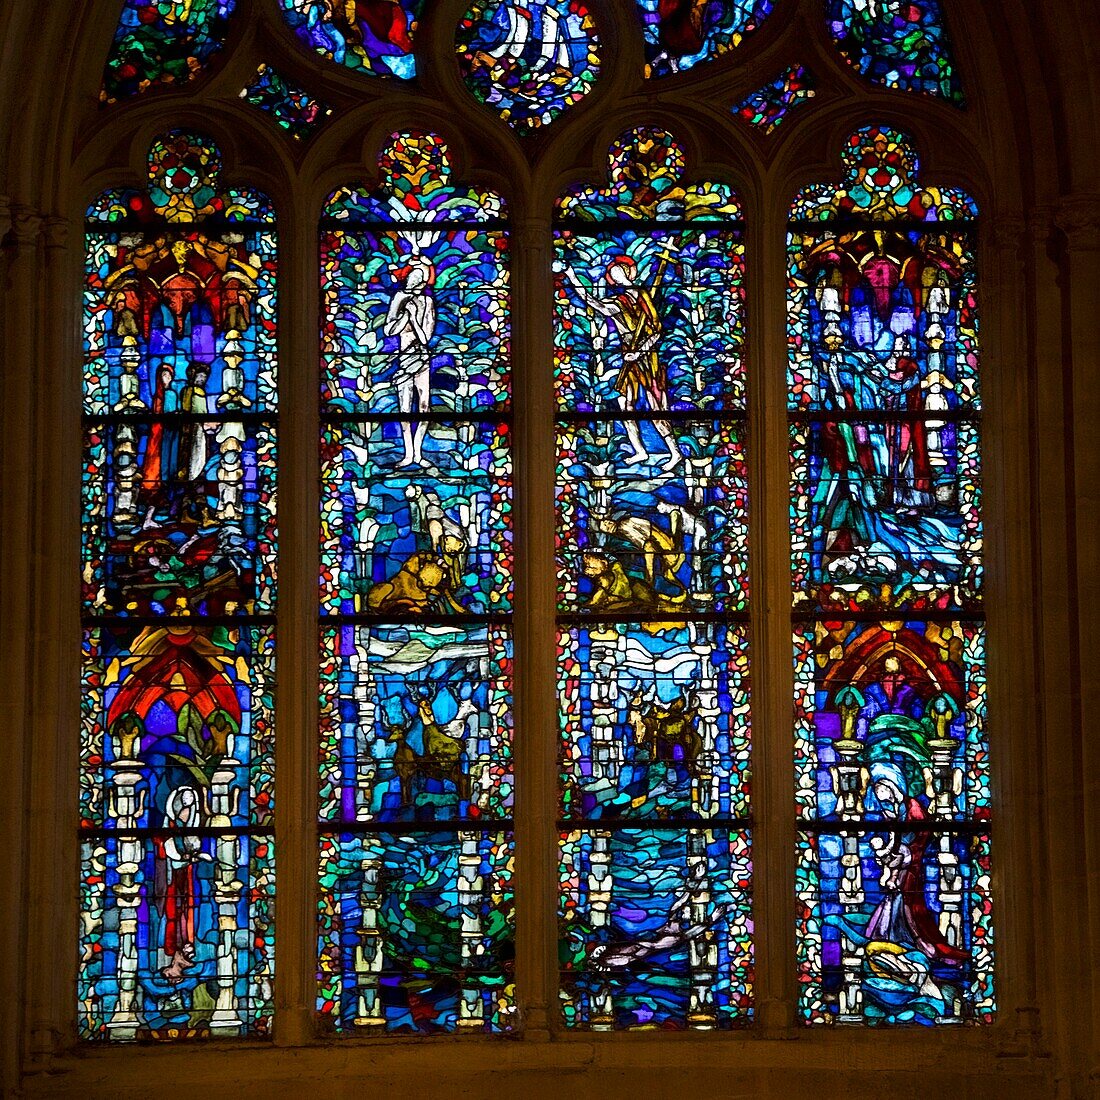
[
  {"x": 434, "y": 416},
  {"x": 877, "y": 416},
  {"x": 91, "y": 420},
  {"x": 592, "y": 227},
  {"x": 832, "y": 226},
  {"x": 686, "y": 618},
  {"x": 927, "y": 615},
  {"x": 349, "y": 619},
  {"x": 691, "y": 416},
  {"x": 198, "y": 830},
  {"x": 115, "y": 621},
  {"x": 211, "y": 226},
  {"x": 618, "y": 824},
  {"x": 969, "y": 827},
  {"x": 472, "y": 825}
]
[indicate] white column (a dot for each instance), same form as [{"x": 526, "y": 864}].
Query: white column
[
  {"x": 600, "y": 885},
  {"x": 368, "y": 953},
  {"x": 231, "y": 434},
  {"x": 127, "y": 810},
  {"x": 366, "y": 704},
  {"x": 703, "y": 948},
  {"x": 228, "y": 888},
  {"x": 849, "y": 784},
  {"x": 471, "y": 1009}
]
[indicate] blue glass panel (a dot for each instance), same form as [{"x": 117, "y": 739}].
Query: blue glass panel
[
  {"x": 416, "y": 933},
  {"x": 895, "y": 928},
  {"x": 655, "y": 929},
  {"x": 655, "y": 720},
  {"x": 416, "y": 723}
]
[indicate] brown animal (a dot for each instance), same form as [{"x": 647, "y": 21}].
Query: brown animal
[
  {"x": 664, "y": 729},
  {"x": 442, "y": 755}
]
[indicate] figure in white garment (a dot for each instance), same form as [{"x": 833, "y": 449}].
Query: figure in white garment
[{"x": 412, "y": 318}]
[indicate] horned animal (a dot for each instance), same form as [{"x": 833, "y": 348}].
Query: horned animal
[
  {"x": 663, "y": 729},
  {"x": 442, "y": 755}
]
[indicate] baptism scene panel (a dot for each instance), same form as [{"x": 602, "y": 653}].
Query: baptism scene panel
[
  {"x": 416, "y": 933},
  {"x": 655, "y": 929},
  {"x": 179, "y": 542},
  {"x": 661, "y": 529},
  {"x": 649, "y": 318}
]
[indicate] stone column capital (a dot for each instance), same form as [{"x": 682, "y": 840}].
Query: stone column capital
[
  {"x": 26, "y": 224},
  {"x": 55, "y": 231},
  {"x": 1078, "y": 217}
]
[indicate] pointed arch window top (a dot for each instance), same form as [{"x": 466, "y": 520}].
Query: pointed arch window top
[
  {"x": 899, "y": 43},
  {"x": 414, "y": 186},
  {"x": 680, "y": 34},
  {"x": 163, "y": 43},
  {"x": 184, "y": 176},
  {"x": 881, "y": 185},
  {"x": 530, "y": 62},
  {"x": 646, "y": 168},
  {"x": 369, "y": 36}
]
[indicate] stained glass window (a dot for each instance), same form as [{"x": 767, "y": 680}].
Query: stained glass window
[
  {"x": 295, "y": 110},
  {"x": 530, "y": 62},
  {"x": 163, "y": 43},
  {"x": 901, "y": 45},
  {"x": 367, "y": 36},
  {"x": 680, "y": 34},
  {"x": 891, "y": 749},
  {"x": 655, "y": 918},
  {"x": 769, "y": 106},
  {"x": 177, "y": 753},
  {"x": 415, "y": 921}
]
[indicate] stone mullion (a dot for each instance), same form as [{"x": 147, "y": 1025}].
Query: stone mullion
[
  {"x": 296, "y": 650},
  {"x": 535, "y": 698},
  {"x": 773, "y": 804},
  {"x": 1006, "y": 381},
  {"x": 15, "y": 457},
  {"x": 1078, "y": 219},
  {"x": 1058, "y": 895},
  {"x": 42, "y": 274}
]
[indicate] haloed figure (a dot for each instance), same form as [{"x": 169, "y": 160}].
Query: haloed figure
[
  {"x": 411, "y": 318},
  {"x": 630, "y": 307}
]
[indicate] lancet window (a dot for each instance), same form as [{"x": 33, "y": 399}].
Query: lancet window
[
  {"x": 891, "y": 750},
  {"x": 177, "y": 741},
  {"x": 416, "y": 928}
]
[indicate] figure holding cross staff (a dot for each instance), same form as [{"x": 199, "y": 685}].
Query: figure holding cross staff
[{"x": 631, "y": 309}]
